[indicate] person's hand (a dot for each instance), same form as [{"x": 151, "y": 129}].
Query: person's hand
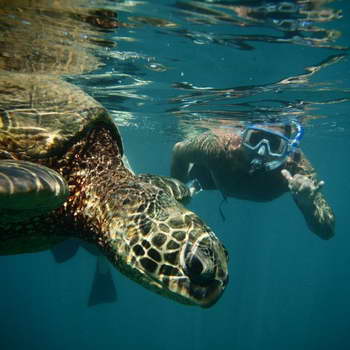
[
  {"x": 194, "y": 187},
  {"x": 302, "y": 187}
]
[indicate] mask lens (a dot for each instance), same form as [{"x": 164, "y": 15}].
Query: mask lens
[
  {"x": 277, "y": 144},
  {"x": 254, "y": 138}
]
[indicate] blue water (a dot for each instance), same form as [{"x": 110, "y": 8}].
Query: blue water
[{"x": 288, "y": 289}]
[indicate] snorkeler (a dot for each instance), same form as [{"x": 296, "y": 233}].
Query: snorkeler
[{"x": 257, "y": 162}]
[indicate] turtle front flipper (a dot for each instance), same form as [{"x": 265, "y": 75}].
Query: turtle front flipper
[
  {"x": 65, "y": 250},
  {"x": 170, "y": 185},
  {"x": 28, "y": 190}
]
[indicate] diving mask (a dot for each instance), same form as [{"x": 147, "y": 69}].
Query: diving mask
[{"x": 271, "y": 147}]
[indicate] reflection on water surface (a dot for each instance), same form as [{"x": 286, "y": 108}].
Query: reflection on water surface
[
  {"x": 135, "y": 58},
  {"x": 203, "y": 61}
]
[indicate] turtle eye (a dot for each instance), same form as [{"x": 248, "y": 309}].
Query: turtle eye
[{"x": 199, "y": 266}]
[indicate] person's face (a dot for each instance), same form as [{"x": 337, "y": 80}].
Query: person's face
[{"x": 264, "y": 148}]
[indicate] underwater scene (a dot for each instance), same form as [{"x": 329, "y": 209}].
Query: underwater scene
[{"x": 173, "y": 174}]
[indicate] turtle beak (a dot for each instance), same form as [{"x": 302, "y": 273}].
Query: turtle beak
[{"x": 209, "y": 295}]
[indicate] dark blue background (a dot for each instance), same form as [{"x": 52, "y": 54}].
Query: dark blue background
[{"x": 288, "y": 289}]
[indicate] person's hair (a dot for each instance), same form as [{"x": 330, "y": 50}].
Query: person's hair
[{"x": 286, "y": 127}]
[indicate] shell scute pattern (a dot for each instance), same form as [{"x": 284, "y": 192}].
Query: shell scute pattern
[
  {"x": 53, "y": 115},
  {"x": 155, "y": 255},
  {"x": 159, "y": 239},
  {"x": 168, "y": 270},
  {"x": 179, "y": 235},
  {"x": 172, "y": 258},
  {"x": 177, "y": 223},
  {"x": 172, "y": 245},
  {"x": 138, "y": 250},
  {"x": 149, "y": 265}
]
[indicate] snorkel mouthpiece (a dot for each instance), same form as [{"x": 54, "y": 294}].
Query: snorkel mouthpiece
[
  {"x": 255, "y": 164},
  {"x": 274, "y": 164},
  {"x": 258, "y": 164}
]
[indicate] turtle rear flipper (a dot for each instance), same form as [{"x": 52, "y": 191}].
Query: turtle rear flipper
[
  {"x": 103, "y": 289},
  {"x": 28, "y": 190}
]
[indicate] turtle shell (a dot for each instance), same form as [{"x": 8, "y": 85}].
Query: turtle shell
[{"x": 41, "y": 115}]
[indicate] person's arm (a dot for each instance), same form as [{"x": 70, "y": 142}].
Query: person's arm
[
  {"x": 181, "y": 159},
  {"x": 305, "y": 189},
  {"x": 197, "y": 150}
]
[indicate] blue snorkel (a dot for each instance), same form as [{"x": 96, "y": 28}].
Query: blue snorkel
[{"x": 295, "y": 143}]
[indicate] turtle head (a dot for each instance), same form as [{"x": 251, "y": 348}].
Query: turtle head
[{"x": 165, "y": 247}]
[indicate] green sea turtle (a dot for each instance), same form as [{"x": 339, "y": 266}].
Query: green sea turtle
[{"x": 62, "y": 175}]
